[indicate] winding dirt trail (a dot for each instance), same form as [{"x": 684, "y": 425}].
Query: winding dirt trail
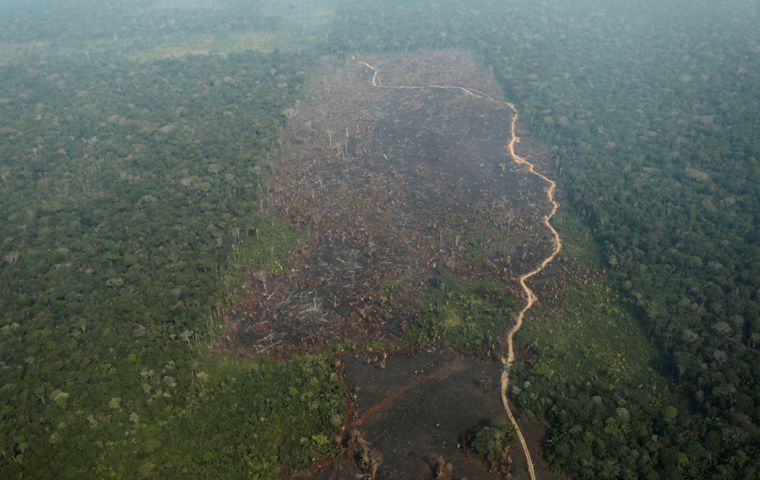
[{"x": 531, "y": 297}]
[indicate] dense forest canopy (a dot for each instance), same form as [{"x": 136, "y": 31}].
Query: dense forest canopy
[
  {"x": 131, "y": 167},
  {"x": 125, "y": 186}
]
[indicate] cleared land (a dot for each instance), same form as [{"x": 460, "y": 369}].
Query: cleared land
[
  {"x": 407, "y": 224},
  {"x": 388, "y": 191}
]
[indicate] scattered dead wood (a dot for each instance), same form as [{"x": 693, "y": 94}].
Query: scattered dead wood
[{"x": 390, "y": 188}]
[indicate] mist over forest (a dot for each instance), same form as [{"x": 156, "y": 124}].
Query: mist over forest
[{"x": 296, "y": 239}]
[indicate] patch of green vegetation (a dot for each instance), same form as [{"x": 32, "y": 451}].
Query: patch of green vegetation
[
  {"x": 266, "y": 245},
  {"x": 578, "y": 244},
  {"x": 269, "y": 243},
  {"x": 490, "y": 442},
  {"x": 595, "y": 338},
  {"x": 468, "y": 315},
  {"x": 247, "y": 419}
]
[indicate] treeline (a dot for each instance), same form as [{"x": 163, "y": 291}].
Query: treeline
[{"x": 650, "y": 114}]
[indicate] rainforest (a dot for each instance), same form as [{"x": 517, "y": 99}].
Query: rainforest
[{"x": 398, "y": 239}]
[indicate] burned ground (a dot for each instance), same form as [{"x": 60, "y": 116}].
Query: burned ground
[
  {"x": 417, "y": 409},
  {"x": 389, "y": 188}
]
